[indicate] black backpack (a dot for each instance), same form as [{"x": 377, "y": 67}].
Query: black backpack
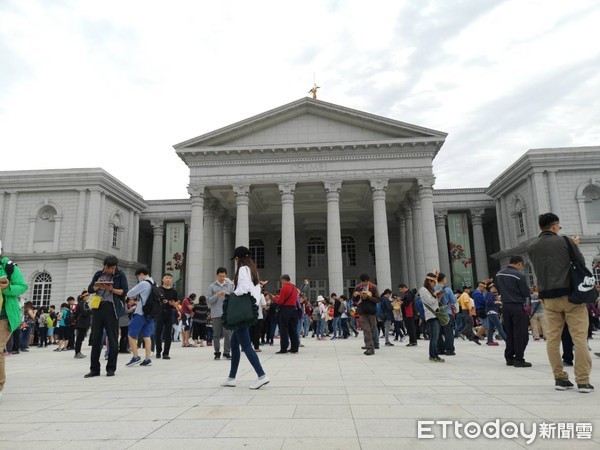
[{"x": 153, "y": 304}]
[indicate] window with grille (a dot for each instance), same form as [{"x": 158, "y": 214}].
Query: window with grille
[
  {"x": 372, "y": 248},
  {"x": 521, "y": 222},
  {"x": 530, "y": 275},
  {"x": 115, "y": 236},
  {"x": 42, "y": 288},
  {"x": 348, "y": 251},
  {"x": 349, "y": 285},
  {"x": 257, "y": 252},
  {"x": 317, "y": 287},
  {"x": 316, "y": 252}
]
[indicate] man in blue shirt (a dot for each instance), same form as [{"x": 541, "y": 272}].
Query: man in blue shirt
[{"x": 479, "y": 299}]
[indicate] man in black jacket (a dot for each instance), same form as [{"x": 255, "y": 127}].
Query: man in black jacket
[
  {"x": 549, "y": 254},
  {"x": 513, "y": 289},
  {"x": 110, "y": 284}
]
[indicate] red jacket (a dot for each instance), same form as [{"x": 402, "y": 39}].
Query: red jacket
[{"x": 287, "y": 295}]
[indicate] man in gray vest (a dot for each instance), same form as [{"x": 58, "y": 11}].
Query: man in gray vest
[{"x": 215, "y": 296}]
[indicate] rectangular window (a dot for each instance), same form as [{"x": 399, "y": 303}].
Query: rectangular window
[
  {"x": 115, "y": 236},
  {"x": 521, "y": 222},
  {"x": 317, "y": 287}
]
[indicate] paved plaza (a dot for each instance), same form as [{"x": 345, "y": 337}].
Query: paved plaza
[{"x": 328, "y": 396}]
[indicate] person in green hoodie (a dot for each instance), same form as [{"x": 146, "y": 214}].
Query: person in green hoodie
[{"x": 12, "y": 285}]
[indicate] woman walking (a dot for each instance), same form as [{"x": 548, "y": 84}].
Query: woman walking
[
  {"x": 246, "y": 281},
  {"x": 431, "y": 302}
]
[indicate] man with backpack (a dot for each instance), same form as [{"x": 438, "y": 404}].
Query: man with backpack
[
  {"x": 12, "y": 285},
  {"x": 142, "y": 322}
]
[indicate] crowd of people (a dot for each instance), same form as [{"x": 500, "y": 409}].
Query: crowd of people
[{"x": 123, "y": 319}]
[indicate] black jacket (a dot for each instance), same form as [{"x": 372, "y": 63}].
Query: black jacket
[
  {"x": 82, "y": 316},
  {"x": 512, "y": 286},
  {"x": 119, "y": 282}
]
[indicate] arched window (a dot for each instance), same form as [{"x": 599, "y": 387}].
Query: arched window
[
  {"x": 519, "y": 214},
  {"x": 44, "y": 224},
  {"x": 348, "y": 251},
  {"x": 372, "y": 248},
  {"x": 591, "y": 196},
  {"x": 115, "y": 229},
  {"x": 42, "y": 288},
  {"x": 316, "y": 252},
  {"x": 257, "y": 252}
]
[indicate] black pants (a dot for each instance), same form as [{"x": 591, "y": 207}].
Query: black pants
[
  {"x": 516, "y": 327},
  {"x": 164, "y": 330},
  {"x": 70, "y": 336},
  {"x": 123, "y": 340},
  {"x": 288, "y": 328},
  {"x": 255, "y": 333},
  {"x": 80, "y": 336},
  {"x": 104, "y": 318},
  {"x": 411, "y": 329}
]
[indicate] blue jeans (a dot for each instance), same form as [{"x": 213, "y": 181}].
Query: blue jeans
[
  {"x": 494, "y": 324},
  {"x": 433, "y": 329},
  {"x": 337, "y": 328},
  {"x": 25, "y": 333},
  {"x": 241, "y": 338},
  {"x": 320, "y": 327},
  {"x": 305, "y": 325}
]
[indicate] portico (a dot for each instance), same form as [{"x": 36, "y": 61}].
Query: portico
[{"x": 314, "y": 189}]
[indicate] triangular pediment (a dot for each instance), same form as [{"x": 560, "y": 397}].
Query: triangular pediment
[{"x": 308, "y": 121}]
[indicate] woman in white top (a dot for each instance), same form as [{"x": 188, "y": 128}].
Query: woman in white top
[{"x": 246, "y": 282}]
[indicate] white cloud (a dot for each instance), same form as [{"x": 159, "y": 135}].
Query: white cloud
[{"x": 116, "y": 84}]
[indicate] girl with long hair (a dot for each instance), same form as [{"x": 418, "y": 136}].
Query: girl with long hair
[
  {"x": 246, "y": 281},
  {"x": 430, "y": 299}
]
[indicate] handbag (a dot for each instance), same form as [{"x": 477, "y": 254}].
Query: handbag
[
  {"x": 440, "y": 314},
  {"x": 94, "y": 301},
  {"x": 239, "y": 311},
  {"x": 582, "y": 281}
]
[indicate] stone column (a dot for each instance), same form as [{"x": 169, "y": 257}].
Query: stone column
[
  {"x": 410, "y": 247},
  {"x": 57, "y": 223},
  {"x": 136, "y": 235},
  {"x": 227, "y": 247},
  {"x": 430, "y": 246},
  {"x": 540, "y": 192},
  {"x": 78, "y": 244},
  {"x": 479, "y": 243},
  {"x": 194, "y": 272},
  {"x": 554, "y": 194},
  {"x": 500, "y": 224},
  {"x": 420, "y": 270},
  {"x": 242, "y": 225},
  {"x": 93, "y": 219},
  {"x": 334, "y": 237},
  {"x": 158, "y": 231},
  {"x": 1, "y": 213},
  {"x": 403, "y": 251},
  {"x": 130, "y": 236},
  {"x": 506, "y": 223},
  {"x": 218, "y": 239},
  {"x": 208, "y": 259},
  {"x": 442, "y": 242},
  {"x": 382, "y": 244},
  {"x": 288, "y": 230}
]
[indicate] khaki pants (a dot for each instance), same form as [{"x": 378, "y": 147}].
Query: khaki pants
[
  {"x": 4, "y": 337},
  {"x": 557, "y": 311},
  {"x": 368, "y": 323}
]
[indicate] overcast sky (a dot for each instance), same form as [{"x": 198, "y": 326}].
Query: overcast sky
[{"x": 115, "y": 84}]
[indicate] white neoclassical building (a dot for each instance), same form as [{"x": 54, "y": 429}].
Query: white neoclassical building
[{"x": 315, "y": 190}]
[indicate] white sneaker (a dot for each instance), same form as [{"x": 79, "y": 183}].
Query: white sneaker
[
  {"x": 260, "y": 382},
  {"x": 229, "y": 382}
]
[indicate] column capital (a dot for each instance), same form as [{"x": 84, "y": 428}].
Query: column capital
[
  {"x": 378, "y": 185},
  {"x": 477, "y": 215},
  {"x": 158, "y": 226},
  {"x": 332, "y": 187},
  {"x": 241, "y": 190},
  {"x": 425, "y": 182},
  {"x": 286, "y": 188},
  {"x": 210, "y": 206},
  {"x": 440, "y": 217},
  {"x": 195, "y": 191}
]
